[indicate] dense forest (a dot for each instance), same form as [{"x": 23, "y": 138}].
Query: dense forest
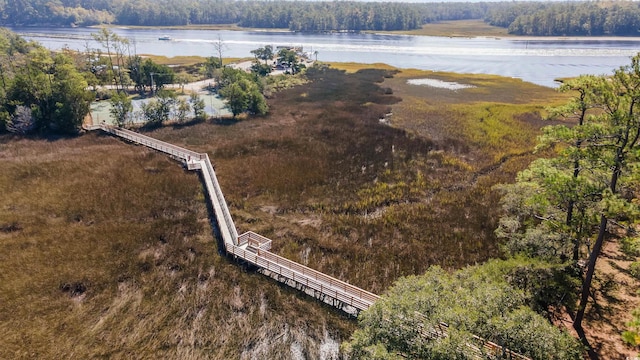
[
  {"x": 567, "y": 19},
  {"x": 521, "y": 18},
  {"x": 40, "y": 91}
]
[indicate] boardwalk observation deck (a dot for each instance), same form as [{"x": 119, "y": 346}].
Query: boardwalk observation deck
[{"x": 250, "y": 247}]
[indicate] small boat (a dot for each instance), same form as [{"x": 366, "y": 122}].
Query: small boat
[{"x": 165, "y": 37}]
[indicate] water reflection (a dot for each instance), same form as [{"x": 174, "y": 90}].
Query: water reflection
[{"x": 100, "y": 110}]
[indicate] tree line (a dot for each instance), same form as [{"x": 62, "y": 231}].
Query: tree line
[
  {"x": 301, "y": 16},
  {"x": 39, "y": 91},
  {"x": 567, "y": 19},
  {"x": 520, "y": 18}
]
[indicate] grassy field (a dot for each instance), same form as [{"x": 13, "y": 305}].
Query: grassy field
[
  {"x": 106, "y": 249},
  {"x": 458, "y": 28},
  {"x": 186, "y": 61}
]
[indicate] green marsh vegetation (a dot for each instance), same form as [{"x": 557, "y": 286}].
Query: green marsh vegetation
[
  {"x": 458, "y": 28},
  {"x": 346, "y": 194},
  {"x": 112, "y": 251}
]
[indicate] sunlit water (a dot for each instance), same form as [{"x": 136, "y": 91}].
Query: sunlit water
[
  {"x": 537, "y": 61},
  {"x": 439, "y": 84}
]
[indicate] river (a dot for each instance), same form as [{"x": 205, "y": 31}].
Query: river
[{"x": 537, "y": 60}]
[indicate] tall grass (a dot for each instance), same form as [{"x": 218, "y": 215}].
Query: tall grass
[
  {"x": 107, "y": 250},
  {"x": 367, "y": 202}
]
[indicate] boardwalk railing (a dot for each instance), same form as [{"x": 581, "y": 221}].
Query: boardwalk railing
[
  {"x": 306, "y": 277},
  {"x": 216, "y": 192},
  {"x": 150, "y": 142},
  {"x": 253, "y": 240},
  {"x": 254, "y": 249},
  {"x": 251, "y": 247}
]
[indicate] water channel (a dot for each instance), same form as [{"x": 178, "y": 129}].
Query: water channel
[{"x": 537, "y": 60}]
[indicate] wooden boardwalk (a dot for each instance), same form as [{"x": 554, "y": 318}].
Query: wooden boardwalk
[
  {"x": 250, "y": 247},
  {"x": 254, "y": 249}
]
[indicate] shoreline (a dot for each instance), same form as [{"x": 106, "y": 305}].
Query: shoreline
[
  {"x": 561, "y": 38},
  {"x": 480, "y": 35},
  {"x": 233, "y": 27}
]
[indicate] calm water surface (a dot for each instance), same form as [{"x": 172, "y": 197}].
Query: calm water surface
[{"x": 537, "y": 61}]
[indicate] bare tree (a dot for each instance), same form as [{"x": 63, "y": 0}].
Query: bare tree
[
  {"x": 219, "y": 47},
  {"x": 122, "y": 47},
  {"x": 112, "y": 42},
  {"x": 104, "y": 39}
]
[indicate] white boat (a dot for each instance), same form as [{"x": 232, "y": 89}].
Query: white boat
[{"x": 165, "y": 37}]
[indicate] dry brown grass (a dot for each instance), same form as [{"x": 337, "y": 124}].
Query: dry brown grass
[
  {"x": 335, "y": 188},
  {"x": 108, "y": 252},
  {"x": 346, "y": 194}
]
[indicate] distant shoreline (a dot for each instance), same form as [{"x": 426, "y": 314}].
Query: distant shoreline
[
  {"x": 451, "y": 29},
  {"x": 562, "y": 38},
  {"x": 233, "y": 27}
]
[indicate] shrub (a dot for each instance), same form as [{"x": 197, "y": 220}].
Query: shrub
[
  {"x": 198, "y": 105},
  {"x": 630, "y": 246},
  {"x": 103, "y": 94},
  {"x": 121, "y": 107},
  {"x": 634, "y": 269},
  {"x": 632, "y": 336},
  {"x": 158, "y": 110},
  {"x": 472, "y": 301}
]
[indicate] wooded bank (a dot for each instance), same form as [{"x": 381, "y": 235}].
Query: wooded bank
[{"x": 520, "y": 18}]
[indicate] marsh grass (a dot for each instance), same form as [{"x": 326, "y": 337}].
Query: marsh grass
[
  {"x": 184, "y": 61},
  {"x": 368, "y": 202},
  {"x": 107, "y": 250},
  {"x": 351, "y": 67},
  {"x": 459, "y": 28}
]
